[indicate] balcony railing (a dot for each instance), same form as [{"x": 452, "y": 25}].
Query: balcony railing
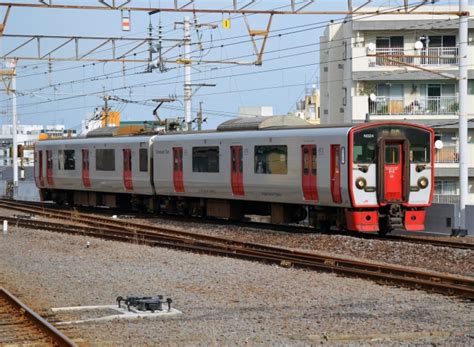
[
  {"x": 427, "y": 56},
  {"x": 445, "y": 199},
  {"x": 430, "y": 105},
  {"x": 447, "y": 155}
]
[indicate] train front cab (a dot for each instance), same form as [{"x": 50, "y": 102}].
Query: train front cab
[{"x": 391, "y": 177}]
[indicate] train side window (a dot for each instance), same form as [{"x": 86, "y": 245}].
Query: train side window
[
  {"x": 314, "y": 162},
  {"x": 271, "y": 160},
  {"x": 143, "y": 154},
  {"x": 392, "y": 154},
  {"x": 69, "y": 159},
  {"x": 234, "y": 160},
  {"x": 206, "y": 159},
  {"x": 241, "y": 158},
  {"x": 105, "y": 159},
  {"x": 60, "y": 159},
  {"x": 176, "y": 161},
  {"x": 305, "y": 161}
]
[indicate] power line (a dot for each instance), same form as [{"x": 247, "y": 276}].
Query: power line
[
  {"x": 156, "y": 84},
  {"x": 93, "y": 79}
]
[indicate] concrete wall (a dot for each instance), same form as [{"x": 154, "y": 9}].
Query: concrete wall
[
  {"x": 331, "y": 55},
  {"x": 3, "y": 189},
  {"x": 6, "y": 173},
  {"x": 27, "y": 190},
  {"x": 438, "y": 216},
  {"x": 470, "y": 219}
]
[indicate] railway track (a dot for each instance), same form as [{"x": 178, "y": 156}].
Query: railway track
[
  {"x": 128, "y": 231},
  {"x": 20, "y": 326},
  {"x": 53, "y": 210}
]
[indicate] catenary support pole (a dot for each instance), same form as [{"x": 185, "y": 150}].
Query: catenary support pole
[
  {"x": 463, "y": 108},
  {"x": 187, "y": 74},
  {"x": 14, "y": 130}
]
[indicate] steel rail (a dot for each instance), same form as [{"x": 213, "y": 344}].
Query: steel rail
[
  {"x": 52, "y": 211},
  {"x": 431, "y": 281},
  {"x": 42, "y": 328}
]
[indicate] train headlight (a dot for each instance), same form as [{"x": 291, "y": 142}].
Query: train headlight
[
  {"x": 361, "y": 183},
  {"x": 422, "y": 182}
]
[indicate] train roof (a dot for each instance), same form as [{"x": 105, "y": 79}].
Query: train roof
[{"x": 258, "y": 123}]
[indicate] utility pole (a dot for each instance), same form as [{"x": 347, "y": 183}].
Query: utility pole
[
  {"x": 14, "y": 125},
  {"x": 463, "y": 106},
  {"x": 199, "y": 117},
  {"x": 106, "y": 110},
  {"x": 187, "y": 74}
]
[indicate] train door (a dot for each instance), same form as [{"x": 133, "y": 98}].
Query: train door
[
  {"x": 49, "y": 167},
  {"x": 392, "y": 154},
  {"x": 178, "y": 169},
  {"x": 336, "y": 174},
  {"x": 127, "y": 169},
  {"x": 236, "y": 170},
  {"x": 40, "y": 168},
  {"x": 85, "y": 168},
  {"x": 309, "y": 172}
]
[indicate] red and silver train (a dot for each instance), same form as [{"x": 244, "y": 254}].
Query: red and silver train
[{"x": 371, "y": 177}]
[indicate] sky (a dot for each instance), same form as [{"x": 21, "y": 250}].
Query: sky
[{"x": 67, "y": 92}]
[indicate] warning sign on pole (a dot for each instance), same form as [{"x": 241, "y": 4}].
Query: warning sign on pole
[
  {"x": 226, "y": 23},
  {"x": 126, "y": 21}
]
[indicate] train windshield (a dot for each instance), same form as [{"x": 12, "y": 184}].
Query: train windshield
[{"x": 365, "y": 143}]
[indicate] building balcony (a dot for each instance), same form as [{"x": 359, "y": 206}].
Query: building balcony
[
  {"x": 430, "y": 105},
  {"x": 447, "y": 155},
  {"x": 445, "y": 199},
  {"x": 443, "y": 59},
  {"x": 423, "y": 57}
]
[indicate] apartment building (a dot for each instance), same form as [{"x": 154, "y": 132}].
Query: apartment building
[
  {"x": 26, "y": 135},
  {"x": 401, "y": 67},
  {"x": 308, "y": 108}
]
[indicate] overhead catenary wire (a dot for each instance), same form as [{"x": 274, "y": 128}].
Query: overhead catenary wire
[
  {"x": 270, "y": 36},
  {"x": 157, "y": 84},
  {"x": 118, "y": 72}
]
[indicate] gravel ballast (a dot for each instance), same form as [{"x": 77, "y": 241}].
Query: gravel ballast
[
  {"x": 224, "y": 301},
  {"x": 422, "y": 256}
]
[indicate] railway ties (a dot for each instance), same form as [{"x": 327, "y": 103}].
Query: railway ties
[
  {"x": 128, "y": 231},
  {"x": 19, "y": 325}
]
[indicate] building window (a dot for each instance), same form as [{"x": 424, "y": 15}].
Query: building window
[
  {"x": 439, "y": 41},
  {"x": 443, "y": 187},
  {"x": 470, "y": 87},
  {"x": 271, "y": 160},
  {"x": 389, "y": 42},
  {"x": 344, "y": 97},
  {"x": 105, "y": 159},
  {"x": 143, "y": 159},
  {"x": 206, "y": 159}
]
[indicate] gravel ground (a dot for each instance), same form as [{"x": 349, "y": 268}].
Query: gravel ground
[
  {"x": 224, "y": 301},
  {"x": 441, "y": 259}
]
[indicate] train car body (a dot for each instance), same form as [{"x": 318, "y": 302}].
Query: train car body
[
  {"x": 93, "y": 171},
  {"x": 368, "y": 177},
  {"x": 252, "y": 166}
]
